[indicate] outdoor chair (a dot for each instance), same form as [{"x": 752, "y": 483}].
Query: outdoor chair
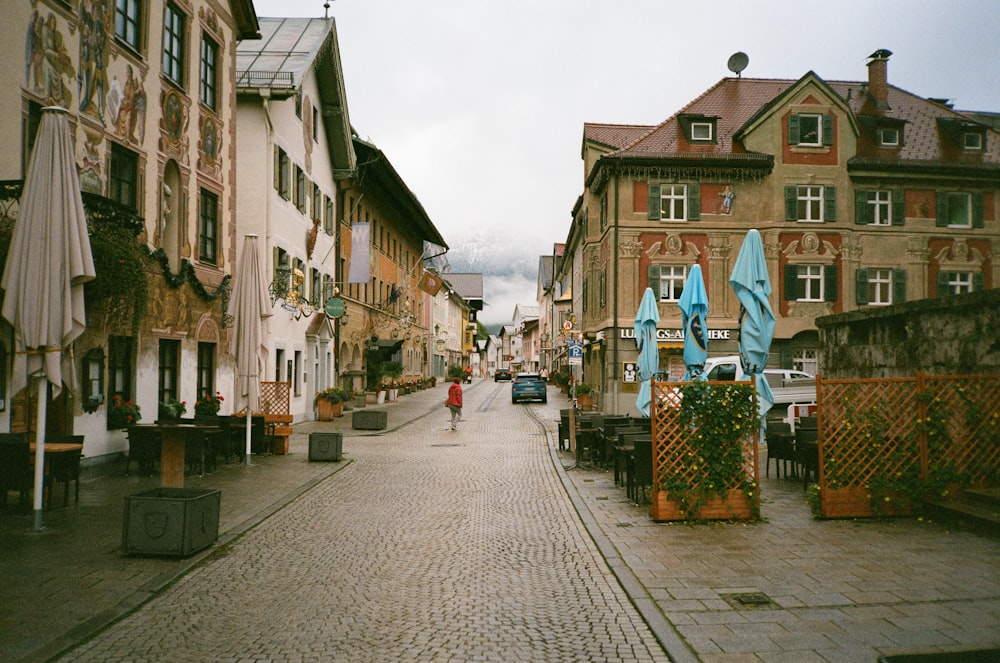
[
  {"x": 640, "y": 475},
  {"x": 64, "y": 467},
  {"x": 607, "y": 436},
  {"x": 196, "y": 457},
  {"x": 807, "y": 453},
  {"x": 622, "y": 446},
  {"x": 143, "y": 448},
  {"x": 780, "y": 448},
  {"x": 17, "y": 472}
]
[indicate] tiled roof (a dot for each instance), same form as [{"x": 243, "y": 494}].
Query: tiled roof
[
  {"x": 468, "y": 285},
  {"x": 615, "y": 136},
  {"x": 734, "y": 101}
]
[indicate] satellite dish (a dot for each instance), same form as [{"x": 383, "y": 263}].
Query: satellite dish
[{"x": 738, "y": 62}]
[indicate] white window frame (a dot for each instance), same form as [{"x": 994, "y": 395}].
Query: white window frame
[
  {"x": 705, "y": 128},
  {"x": 818, "y": 119},
  {"x": 810, "y": 279},
  {"x": 959, "y": 282},
  {"x": 806, "y": 360},
  {"x": 881, "y": 203},
  {"x": 672, "y": 280},
  {"x": 810, "y": 201},
  {"x": 888, "y": 136},
  {"x": 879, "y": 287},
  {"x": 953, "y": 198},
  {"x": 972, "y": 140},
  {"x": 672, "y": 197}
]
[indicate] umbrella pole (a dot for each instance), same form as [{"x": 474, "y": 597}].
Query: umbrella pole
[
  {"x": 41, "y": 407},
  {"x": 248, "y": 433}
]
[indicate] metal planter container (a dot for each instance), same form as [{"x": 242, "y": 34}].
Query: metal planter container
[
  {"x": 370, "y": 420},
  {"x": 171, "y": 521},
  {"x": 326, "y": 446}
]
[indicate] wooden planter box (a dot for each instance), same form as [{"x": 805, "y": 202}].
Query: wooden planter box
[
  {"x": 327, "y": 410},
  {"x": 171, "y": 521},
  {"x": 370, "y": 420},
  {"x": 857, "y": 503},
  {"x": 326, "y": 446},
  {"x": 736, "y": 506}
]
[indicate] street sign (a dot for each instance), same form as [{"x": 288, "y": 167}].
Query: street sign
[
  {"x": 335, "y": 307},
  {"x": 575, "y": 354}
]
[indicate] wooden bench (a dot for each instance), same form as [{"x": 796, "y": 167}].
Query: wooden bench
[{"x": 282, "y": 430}]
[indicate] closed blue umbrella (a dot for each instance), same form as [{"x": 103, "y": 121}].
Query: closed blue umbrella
[
  {"x": 646, "y": 319},
  {"x": 694, "y": 309},
  {"x": 753, "y": 286}
]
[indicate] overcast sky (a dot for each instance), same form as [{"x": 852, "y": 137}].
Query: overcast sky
[{"x": 480, "y": 104}]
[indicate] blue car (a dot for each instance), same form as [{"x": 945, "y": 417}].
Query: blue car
[{"x": 528, "y": 387}]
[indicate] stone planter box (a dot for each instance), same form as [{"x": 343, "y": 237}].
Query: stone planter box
[
  {"x": 171, "y": 521},
  {"x": 370, "y": 420},
  {"x": 326, "y": 446},
  {"x": 736, "y": 506}
]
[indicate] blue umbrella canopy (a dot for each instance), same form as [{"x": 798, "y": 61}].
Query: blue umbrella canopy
[
  {"x": 694, "y": 309},
  {"x": 646, "y": 319},
  {"x": 753, "y": 286}
]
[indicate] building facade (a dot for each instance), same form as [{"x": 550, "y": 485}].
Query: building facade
[{"x": 864, "y": 195}]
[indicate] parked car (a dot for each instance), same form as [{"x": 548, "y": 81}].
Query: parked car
[
  {"x": 528, "y": 387},
  {"x": 502, "y": 374}
]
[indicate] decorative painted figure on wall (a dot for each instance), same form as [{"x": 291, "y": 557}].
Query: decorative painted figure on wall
[
  {"x": 92, "y": 82},
  {"x": 727, "y": 196},
  {"x": 49, "y": 62}
]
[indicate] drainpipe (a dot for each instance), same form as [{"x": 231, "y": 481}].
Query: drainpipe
[{"x": 614, "y": 321}]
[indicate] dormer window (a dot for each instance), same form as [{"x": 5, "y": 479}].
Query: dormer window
[
  {"x": 698, "y": 129},
  {"x": 701, "y": 131},
  {"x": 888, "y": 137},
  {"x": 972, "y": 140},
  {"x": 966, "y": 134},
  {"x": 810, "y": 129}
]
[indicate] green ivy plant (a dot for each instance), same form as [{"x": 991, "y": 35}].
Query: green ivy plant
[{"x": 719, "y": 417}]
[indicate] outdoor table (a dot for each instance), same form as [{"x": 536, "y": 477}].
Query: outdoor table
[{"x": 173, "y": 439}]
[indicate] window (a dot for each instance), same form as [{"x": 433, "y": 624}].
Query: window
[
  {"x": 123, "y": 176},
  {"x": 604, "y": 210},
  {"x": 881, "y": 286},
  {"x": 328, "y": 217},
  {"x": 674, "y": 202},
  {"x": 297, "y": 374},
  {"x": 878, "y": 207},
  {"x": 972, "y": 141},
  {"x": 208, "y": 227},
  {"x": 206, "y": 369},
  {"x": 811, "y": 283},
  {"x": 957, "y": 283},
  {"x": 667, "y": 281},
  {"x": 810, "y": 130},
  {"x": 806, "y": 360},
  {"x": 957, "y": 209},
  {"x": 282, "y": 272},
  {"x": 128, "y": 22},
  {"x": 209, "y": 71},
  {"x": 810, "y": 203},
  {"x": 701, "y": 131},
  {"x": 315, "y": 127},
  {"x": 888, "y": 136},
  {"x": 173, "y": 44},
  {"x": 300, "y": 189},
  {"x": 169, "y": 356},
  {"x": 317, "y": 205},
  {"x": 283, "y": 174},
  {"x": 120, "y": 367}
]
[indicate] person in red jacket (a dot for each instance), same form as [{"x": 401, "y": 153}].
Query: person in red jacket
[{"x": 454, "y": 401}]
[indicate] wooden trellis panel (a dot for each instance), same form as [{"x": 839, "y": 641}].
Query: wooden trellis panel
[
  {"x": 275, "y": 397},
  {"x": 670, "y": 451},
  {"x": 879, "y": 435}
]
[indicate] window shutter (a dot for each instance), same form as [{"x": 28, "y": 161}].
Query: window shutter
[
  {"x": 862, "y": 212},
  {"x": 829, "y": 204},
  {"x": 791, "y": 282},
  {"x": 787, "y": 358},
  {"x": 898, "y": 286},
  {"x": 830, "y": 283},
  {"x": 942, "y": 209},
  {"x": 828, "y": 130},
  {"x": 793, "y": 129},
  {"x": 694, "y": 202},
  {"x": 654, "y": 202},
  {"x": 653, "y": 279},
  {"x": 861, "y": 283},
  {"x": 977, "y": 210},
  {"x": 277, "y": 168},
  {"x": 791, "y": 203},
  {"x": 978, "y": 282},
  {"x": 942, "y": 284},
  {"x": 898, "y": 208}
]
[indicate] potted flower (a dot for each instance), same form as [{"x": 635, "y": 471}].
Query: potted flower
[
  {"x": 122, "y": 413},
  {"x": 172, "y": 409},
  {"x": 584, "y": 396},
  {"x": 329, "y": 404},
  {"x": 208, "y": 405}
]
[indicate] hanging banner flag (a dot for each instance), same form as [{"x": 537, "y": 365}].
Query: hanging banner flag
[
  {"x": 360, "y": 271},
  {"x": 430, "y": 283},
  {"x": 434, "y": 257}
]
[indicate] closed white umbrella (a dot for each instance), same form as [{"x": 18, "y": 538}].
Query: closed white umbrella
[
  {"x": 249, "y": 307},
  {"x": 48, "y": 262}
]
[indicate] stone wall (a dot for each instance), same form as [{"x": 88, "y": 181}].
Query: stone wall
[{"x": 955, "y": 335}]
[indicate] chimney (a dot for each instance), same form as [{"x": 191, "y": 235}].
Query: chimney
[{"x": 878, "y": 78}]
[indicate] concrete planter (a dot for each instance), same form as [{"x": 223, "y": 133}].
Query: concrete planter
[
  {"x": 370, "y": 420},
  {"x": 326, "y": 446},
  {"x": 171, "y": 521}
]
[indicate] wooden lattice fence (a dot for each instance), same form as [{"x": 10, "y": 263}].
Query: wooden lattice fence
[
  {"x": 677, "y": 463},
  {"x": 886, "y": 445},
  {"x": 275, "y": 397}
]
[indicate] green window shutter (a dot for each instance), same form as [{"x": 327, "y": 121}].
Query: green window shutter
[
  {"x": 942, "y": 284},
  {"x": 694, "y": 202},
  {"x": 654, "y": 202},
  {"x": 830, "y": 283},
  {"x": 942, "y": 209},
  {"x": 862, "y": 211},
  {"x": 828, "y": 130},
  {"x": 977, "y": 210},
  {"x": 898, "y": 207},
  {"x": 791, "y": 203},
  {"x": 978, "y": 282},
  {"x": 793, "y": 129},
  {"x": 787, "y": 358},
  {"x": 277, "y": 168},
  {"x": 791, "y": 282},
  {"x": 861, "y": 283},
  {"x": 829, "y": 204},
  {"x": 898, "y": 286},
  {"x": 653, "y": 279}
]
